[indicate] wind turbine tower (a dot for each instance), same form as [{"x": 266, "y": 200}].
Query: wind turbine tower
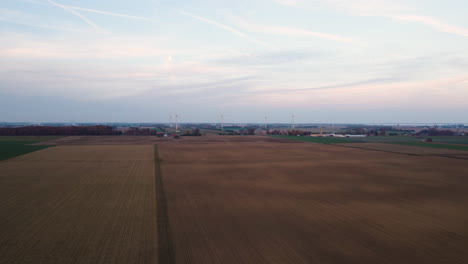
[
  {"x": 171, "y": 121},
  {"x": 222, "y": 122},
  {"x": 176, "y": 123},
  {"x": 266, "y": 120},
  {"x": 293, "y": 117}
]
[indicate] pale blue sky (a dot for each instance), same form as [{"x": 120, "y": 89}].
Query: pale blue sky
[{"x": 324, "y": 60}]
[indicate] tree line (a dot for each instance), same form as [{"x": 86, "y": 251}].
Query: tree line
[
  {"x": 58, "y": 131},
  {"x": 437, "y": 132}
]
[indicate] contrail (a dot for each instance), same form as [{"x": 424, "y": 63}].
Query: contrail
[
  {"x": 280, "y": 30},
  {"x": 111, "y": 13},
  {"x": 85, "y": 19},
  {"x": 227, "y": 28}
]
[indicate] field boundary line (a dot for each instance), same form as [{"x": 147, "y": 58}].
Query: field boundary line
[
  {"x": 409, "y": 154},
  {"x": 452, "y": 157},
  {"x": 166, "y": 253},
  {"x": 379, "y": 150}
]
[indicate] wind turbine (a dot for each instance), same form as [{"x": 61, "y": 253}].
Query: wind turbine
[
  {"x": 176, "y": 123},
  {"x": 222, "y": 122},
  {"x": 171, "y": 120},
  {"x": 266, "y": 120},
  {"x": 293, "y": 117}
]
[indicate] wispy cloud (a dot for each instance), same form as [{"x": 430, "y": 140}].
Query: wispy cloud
[
  {"x": 20, "y": 46},
  {"x": 91, "y": 10},
  {"x": 374, "y": 93},
  {"x": 58, "y": 28},
  {"x": 20, "y": 18},
  {"x": 348, "y": 85},
  {"x": 226, "y": 28},
  {"x": 96, "y": 82},
  {"x": 358, "y": 7},
  {"x": 289, "y": 31},
  {"x": 288, "y": 2},
  {"x": 112, "y": 14},
  {"x": 223, "y": 86},
  {"x": 268, "y": 59},
  {"x": 85, "y": 19},
  {"x": 434, "y": 23},
  {"x": 34, "y": 2},
  {"x": 397, "y": 10}
]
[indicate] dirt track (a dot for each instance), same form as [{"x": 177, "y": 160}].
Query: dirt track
[
  {"x": 79, "y": 204},
  {"x": 310, "y": 203}
]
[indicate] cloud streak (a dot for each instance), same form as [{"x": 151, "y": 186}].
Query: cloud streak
[
  {"x": 20, "y": 46},
  {"x": 434, "y": 23},
  {"x": 347, "y": 85},
  {"x": 288, "y": 31},
  {"x": 90, "y": 10},
  {"x": 288, "y": 2},
  {"x": 111, "y": 13},
  {"x": 82, "y": 17},
  {"x": 269, "y": 58},
  {"x": 383, "y": 8},
  {"x": 371, "y": 94},
  {"x": 20, "y": 18},
  {"x": 226, "y": 28}
]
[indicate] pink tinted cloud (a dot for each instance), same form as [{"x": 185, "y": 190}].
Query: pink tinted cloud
[{"x": 438, "y": 93}]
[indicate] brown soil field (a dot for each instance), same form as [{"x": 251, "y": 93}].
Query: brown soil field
[
  {"x": 267, "y": 202},
  {"x": 79, "y": 204},
  {"x": 232, "y": 199},
  {"x": 404, "y": 149}
]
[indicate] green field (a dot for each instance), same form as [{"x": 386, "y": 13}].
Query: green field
[
  {"x": 322, "y": 140},
  {"x": 339, "y": 140},
  {"x": 451, "y": 140},
  {"x": 11, "y": 149},
  {"x": 432, "y": 145},
  {"x": 379, "y": 139},
  {"x": 385, "y": 139},
  {"x": 409, "y": 139},
  {"x": 12, "y": 146}
]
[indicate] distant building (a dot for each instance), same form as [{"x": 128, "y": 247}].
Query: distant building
[
  {"x": 339, "y": 135},
  {"x": 355, "y": 136}
]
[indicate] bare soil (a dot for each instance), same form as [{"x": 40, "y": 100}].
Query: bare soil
[
  {"x": 240, "y": 199},
  {"x": 79, "y": 204},
  {"x": 266, "y": 202}
]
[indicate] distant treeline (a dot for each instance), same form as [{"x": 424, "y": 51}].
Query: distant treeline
[
  {"x": 58, "y": 131},
  {"x": 437, "y": 132},
  {"x": 293, "y": 132},
  {"x": 135, "y": 131}
]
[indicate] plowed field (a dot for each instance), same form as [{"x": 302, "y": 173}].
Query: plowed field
[
  {"x": 264, "y": 202},
  {"x": 79, "y": 204},
  {"x": 232, "y": 200}
]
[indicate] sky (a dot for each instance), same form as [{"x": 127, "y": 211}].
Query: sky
[{"x": 326, "y": 61}]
